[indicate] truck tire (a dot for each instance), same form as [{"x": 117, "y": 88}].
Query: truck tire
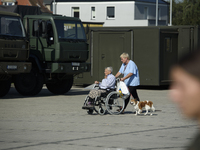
[
  {"x": 61, "y": 86},
  {"x": 4, "y": 87},
  {"x": 29, "y": 84}
]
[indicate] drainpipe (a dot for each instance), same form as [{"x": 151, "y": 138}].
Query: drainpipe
[
  {"x": 156, "y": 12},
  {"x": 170, "y": 13}
]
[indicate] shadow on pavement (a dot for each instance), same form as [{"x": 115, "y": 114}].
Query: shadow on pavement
[
  {"x": 13, "y": 94},
  {"x": 76, "y": 90}
]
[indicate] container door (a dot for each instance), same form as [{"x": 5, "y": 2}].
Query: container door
[
  {"x": 169, "y": 54},
  {"x": 111, "y": 46}
]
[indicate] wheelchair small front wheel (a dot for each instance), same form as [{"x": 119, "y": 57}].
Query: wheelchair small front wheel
[
  {"x": 101, "y": 111},
  {"x": 114, "y": 103}
]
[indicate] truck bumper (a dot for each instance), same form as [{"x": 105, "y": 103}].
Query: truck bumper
[
  {"x": 15, "y": 67},
  {"x": 68, "y": 68}
]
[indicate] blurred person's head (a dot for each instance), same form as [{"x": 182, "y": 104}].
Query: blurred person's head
[{"x": 185, "y": 87}]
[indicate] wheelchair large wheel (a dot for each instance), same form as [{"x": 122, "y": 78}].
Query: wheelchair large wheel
[{"x": 114, "y": 103}]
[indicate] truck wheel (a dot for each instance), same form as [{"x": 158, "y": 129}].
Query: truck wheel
[
  {"x": 29, "y": 84},
  {"x": 61, "y": 86},
  {"x": 4, "y": 87}
]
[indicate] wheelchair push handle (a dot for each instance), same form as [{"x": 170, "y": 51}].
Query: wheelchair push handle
[{"x": 117, "y": 80}]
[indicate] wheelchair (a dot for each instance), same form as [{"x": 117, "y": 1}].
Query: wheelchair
[{"x": 112, "y": 101}]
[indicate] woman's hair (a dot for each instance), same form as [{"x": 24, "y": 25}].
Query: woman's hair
[
  {"x": 109, "y": 69},
  {"x": 125, "y": 55},
  {"x": 191, "y": 63}
]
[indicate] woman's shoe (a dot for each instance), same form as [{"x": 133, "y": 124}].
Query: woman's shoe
[{"x": 120, "y": 110}]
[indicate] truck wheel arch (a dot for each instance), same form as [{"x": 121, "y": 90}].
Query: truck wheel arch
[{"x": 35, "y": 62}]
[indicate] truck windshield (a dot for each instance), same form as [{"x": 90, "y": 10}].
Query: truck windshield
[
  {"x": 11, "y": 26},
  {"x": 70, "y": 30}
]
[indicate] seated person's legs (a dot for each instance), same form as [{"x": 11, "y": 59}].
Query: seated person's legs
[{"x": 92, "y": 95}]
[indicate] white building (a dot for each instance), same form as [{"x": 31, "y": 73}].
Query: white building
[{"x": 115, "y": 12}]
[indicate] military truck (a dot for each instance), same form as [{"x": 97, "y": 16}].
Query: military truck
[
  {"x": 58, "y": 52},
  {"x": 14, "y": 50}
]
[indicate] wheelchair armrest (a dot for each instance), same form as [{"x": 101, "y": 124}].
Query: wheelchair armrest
[
  {"x": 110, "y": 90},
  {"x": 96, "y": 86}
]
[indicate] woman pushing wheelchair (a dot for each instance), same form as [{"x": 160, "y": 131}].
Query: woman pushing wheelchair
[{"x": 131, "y": 78}]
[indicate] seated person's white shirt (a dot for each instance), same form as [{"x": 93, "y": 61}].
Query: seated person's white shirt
[{"x": 109, "y": 82}]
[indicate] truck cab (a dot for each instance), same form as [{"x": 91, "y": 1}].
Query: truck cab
[{"x": 58, "y": 51}]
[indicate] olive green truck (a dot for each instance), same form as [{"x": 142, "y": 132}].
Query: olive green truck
[
  {"x": 14, "y": 50},
  {"x": 57, "y": 51}
]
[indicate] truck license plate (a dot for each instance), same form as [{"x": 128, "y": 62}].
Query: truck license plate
[
  {"x": 75, "y": 64},
  {"x": 11, "y": 67}
]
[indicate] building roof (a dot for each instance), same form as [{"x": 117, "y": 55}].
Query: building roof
[
  {"x": 147, "y": 1},
  {"x": 40, "y": 4}
]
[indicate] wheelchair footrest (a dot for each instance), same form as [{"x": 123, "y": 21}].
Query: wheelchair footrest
[{"x": 86, "y": 107}]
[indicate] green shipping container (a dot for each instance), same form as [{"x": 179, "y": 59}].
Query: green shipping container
[{"x": 153, "y": 49}]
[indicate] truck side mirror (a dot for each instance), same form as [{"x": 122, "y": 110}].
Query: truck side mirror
[
  {"x": 36, "y": 26},
  {"x": 44, "y": 29}
]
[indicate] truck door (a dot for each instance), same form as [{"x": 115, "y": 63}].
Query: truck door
[
  {"x": 169, "y": 54},
  {"x": 43, "y": 40}
]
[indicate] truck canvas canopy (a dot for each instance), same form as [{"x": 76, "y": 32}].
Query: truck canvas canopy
[{"x": 22, "y": 10}]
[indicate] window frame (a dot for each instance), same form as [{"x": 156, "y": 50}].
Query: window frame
[
  {"x": 107, "y": 17},
  {"x": 74, "y": 10}
]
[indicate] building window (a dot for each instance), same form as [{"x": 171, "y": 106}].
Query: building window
[
  {"x": 93, "y": 13},
  {"x": 146, "y": 13},
  {"x": 110, "y": 12},
  {"x": 75, "y": 12}
]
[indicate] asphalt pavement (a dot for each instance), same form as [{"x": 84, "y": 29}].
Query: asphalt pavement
[{"x": 52, "y": 122}]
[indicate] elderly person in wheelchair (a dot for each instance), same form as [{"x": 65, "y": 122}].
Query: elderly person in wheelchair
[{"x": 107, "y": 83}]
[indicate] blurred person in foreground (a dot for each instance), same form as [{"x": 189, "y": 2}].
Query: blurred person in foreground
[{"x": 185, "y": 90}]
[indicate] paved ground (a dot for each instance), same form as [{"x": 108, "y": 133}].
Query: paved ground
[{"x": 49, "y": 122}]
